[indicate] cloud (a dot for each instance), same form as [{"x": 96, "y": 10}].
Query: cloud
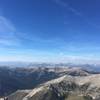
[
  {"x": 11, "y": 37},
  {"x": 6, "y": 25},
  {"x": 76, "y": 12},
  {"x": 66, "y": 5},
  {"x": 7, "y": 33}
]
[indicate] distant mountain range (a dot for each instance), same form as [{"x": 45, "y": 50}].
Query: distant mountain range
[{"x": 90, "y": 67}]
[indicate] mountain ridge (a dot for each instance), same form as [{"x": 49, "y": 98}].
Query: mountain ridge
[{"x": 87, "y": 86}]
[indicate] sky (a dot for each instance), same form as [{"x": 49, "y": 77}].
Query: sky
[{"x": 50, "y": 30}]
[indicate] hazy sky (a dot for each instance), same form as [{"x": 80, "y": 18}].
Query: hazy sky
[{"x": 50, "y": 30}]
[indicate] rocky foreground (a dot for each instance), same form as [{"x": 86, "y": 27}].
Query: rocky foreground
[{"x": 66, "y": 87}]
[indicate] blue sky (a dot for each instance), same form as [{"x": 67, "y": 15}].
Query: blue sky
[{"x": 50, "y": 30}]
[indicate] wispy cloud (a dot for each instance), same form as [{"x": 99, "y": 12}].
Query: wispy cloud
[
  {"x": 77, "y": 13},
  {"x": 66, "y": 5},
  {"x": 10, "y": 36},
  {"x": 7, "y": 32},
  {"x": 6, "y": 25}
]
